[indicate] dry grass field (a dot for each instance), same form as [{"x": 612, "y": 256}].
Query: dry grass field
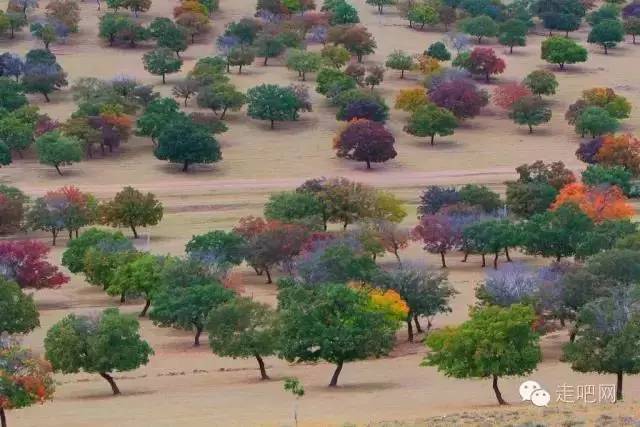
[{"x": 185, "y": 386}]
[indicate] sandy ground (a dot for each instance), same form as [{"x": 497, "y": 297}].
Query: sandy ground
[{"x": 183, "y": 386}]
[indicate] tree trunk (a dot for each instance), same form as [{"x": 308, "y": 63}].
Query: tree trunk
[
  {"x": 135, "y": 232},
  {"x": 336, "y": 374},
  {"x": 511, "y": 49},
  {"x": 185, "y": 166},
  {"x": 409, "y": 329},
  {"x": 501, "y": 401},
  {"x": 530, "y": 129},
  {"x": 57, "y": 166},
  {"x": 562, "y": 66},
  {"x": 444, "y": 262},
  {"x": 402, "y": 74},
  {"x": 487, "y": 77},
  {"x": 123, "y": 298},
  {"x": 466, "y": 255},
  {"x": 368, "y": 164},
  {"x": 432, "y": 137},
  {"x": 619, "y": 387},
  {"x": 147, "y": 303},
  {"x": 558, "y": 258},
  {"x": 112, "y": 383},
  {"x": 196, "y": 341},
  {"x": 395, "y": 252},
  {"x": 605, "y": 49},
  {"x": 484, "y": 261},
  {"x": 3, "y": 418},
  {"x": 163, "y": 78},
  {"x": 266, "y": 58},
  {"x": 269, "y": 281},
  {"x": 54, "y": 233},
  {"x": 263, "y": 371},
  {"x": 272, "y": 123},
  {"x": 417, "y": 322},
  {"x": 495, "y": 261},
  {"x": 224, "y": 111},
  {"x": 506, "y": 253}
]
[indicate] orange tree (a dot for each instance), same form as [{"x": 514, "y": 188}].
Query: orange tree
[{"x": 599, "y": 203}]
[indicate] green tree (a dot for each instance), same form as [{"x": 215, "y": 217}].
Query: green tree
[
  {"x": 161, "y": 61},
  {"x": 335, "y": 55},
  {"x": 632, "y": 26},
  {"x": 334, "y": 323},
  {"x": 331, "y": 82},
  {"x": 5, "y": 155},
  {"x": 225, "y": 249},
  {"x": 74, "y": 255},
  {"x": 269, "y": 46},
  {"x": 169, "y": 35},
  {"x": 597, "y": 175},
  {"x": 531, "y": 111},
  {"x": 56, "y": 149},
  {"x": 492, "y": 236},
  {"x": 221, "y": 96},
  {"x": 158, "y": 114},
  {"x": 513, "y": 33},
  {"x": 431, "y": 120},
  {"x": 11, "y": 94},
  {"x": 479, "y": 26},
  {"x": 380, "y": 4},
  {"x": 607, "y": 34},
  {"x": 18, "y": 312},
  {"x": 343, "y": 13},
  {"x": 608, "y": 337},
  {"x": 186, "y": 294},
  {"x": 272, "y": 103},
  {"x": 293, "y": 206},
  {"x": 438, "y": 50},
  {"x": 243, "y": 328},
  {"x": 556, "y": 233},
  {"x": 485, "y": 345},
  {"x": 422, "y": 14},
  {"x": 42, "y": 74},
  {"x": 187, "y": 142},
  {"x": 481, "y": 196},
  {"x": 131, "y": 208},
  {"x": 303, "y": 62},
  {"x": 541, "y": 82},
  {"x": 139, "y": 277},
  {"x": 399, "y": 60},
  {"x": 595, "y": 121},
  {"x": 110, "y": 342},
  {"x": 16, "y": 132},
  {"x": 45, "y": 32},
  {"x": 561, "y": 51}
]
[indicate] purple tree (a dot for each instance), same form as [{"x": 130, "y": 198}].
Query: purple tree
[
  {"x": 588, "y": 150},
  {"x": 318, "y": 34},
  {"x": 632, "y": 10},
  {"x": 440, "y": 234},
  {"x": 512, "y": 284},
  {"x": 11, "y": 65},
  {"x": 460, "y": 97}
]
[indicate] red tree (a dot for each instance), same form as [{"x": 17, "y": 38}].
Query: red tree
[
  {"x": 505, "y": 95},
  {"x": 439, "y": 233},
  {"x": 24, "y": 261},
  {"x": 483, "y": 60},
  {"x": 461, "y": 97},
  {"x": 365, "y": 141}
]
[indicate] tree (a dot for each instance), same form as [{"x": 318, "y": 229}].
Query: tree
[
  {"x": 605, "y": 12},
  {"x": 16, "y": 22},
  {"x": 462, "y": 98},
  {"x": 479, "y": 26},
  {"x": 268, "y": 46},
  {"x": 527, "y": 199},
  {"x": 158, "y": 114},
  {"x": 42, "y": 74},
  {"x": 600, "y": 175},
  {"x": 555, "y": 174},
  {"x": 439, "y": 51},
  {"x": 440, "y": 234},
  {"x": 16, "y": 132},
  {"x": 272, "y": 103},
  {"x": 481, "y": 196},
  {"x": 541, "y": 82},
  {"x": 492, "y": 236},
  {"x": 368, "y": 109},
  {"x": 513, "y": 33},
  {"x": 56, "y": 150},
  {"x": 599, "y": 203},
  {"x": 137, "y": 6},
  {"x": 506, "y": 94},
  {"x": 26, "y": 379},
  {"x": 561, "y": 51},
  {"x": 303, "y": 62},
  {"x": 221, "y": 96},
  {"x": 193, "y": 24},
  {"x": 103, "y": 344},
  {"x": 243, "y": 328},
  {"x": 422, "y": 14},
  {"x": 185, "y": 296},
  {"x": 435, "y": 198},
  {"x": 483, "y": 345},
  {"x": 45, "y": 32},
  {"x": 556, "y": 233},
  {"x": 132, "y": 208},
  {"x": 483, "y": 61},
  {"x": 632, "y": 27},
  {"x": 336, "y": 56},
  {"x": 530, "y": 111},
  {"x": 411, "y": 99},
  {"x": 11, "y": 94},
  {"x": 334, "y": 323},
  {"x": 246, "y": 30},
  {"x": 169, "y": 35},
  {"x": 365, "y": 140},
  {"x": 607, "y": 34},
  {"x": 618, "y": 150},
  {"x": 12, "y": 209},
  {"x": 18, "y": 312},
  {"x": 73, "y": 257},
  {"x": 161, "y": 61},
  {"x": 139, "y": 277},
  {"x": 399, "y": 60},
  {"x": 596, "y": 121},
  {"x": 356, "y": 39},
  {"x": 430, "y": 120},
  {"x": 343, "y": 13},
  {"x": 426, "y": 293},
  {"x": 187, "y": 142},
  {"x": 331, "y": 82},
  {"x": 380, "y": 4},
  {"x": 218, "y": 248},
  {"x": 375, "y": 76},
  {"x": 607, "y": 337},
  {"x": 294, "y": 207},
  {"x": 65, "y": 11}
]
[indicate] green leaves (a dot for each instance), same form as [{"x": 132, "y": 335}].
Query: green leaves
[{"x": 55, "y": 149}]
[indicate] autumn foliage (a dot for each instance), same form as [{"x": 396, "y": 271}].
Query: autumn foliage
[
  {"x": 620, "y": 150},
  {"x": 366, "y": 141},
  {"x": 411, "y": 99},
  {"x": 505, "y": 95},
  {"x": 24, "y": 261},
  {"x": 599, "y": 203}
]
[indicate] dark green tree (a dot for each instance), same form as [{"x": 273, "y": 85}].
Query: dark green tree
[
  {"x": 273, "y": 103},
  {"x": 18, "y": 312},
  {"x": 161, "y": 61}
]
